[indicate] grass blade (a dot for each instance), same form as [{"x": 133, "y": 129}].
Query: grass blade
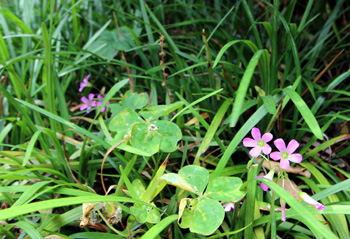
[
  {"x": 304, "y": 110},
  {"x": 243, "y": 87}
]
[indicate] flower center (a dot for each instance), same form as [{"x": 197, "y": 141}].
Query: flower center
[
  {"x": 261, "y": 143},
  {"x": 285, "y": 155}
]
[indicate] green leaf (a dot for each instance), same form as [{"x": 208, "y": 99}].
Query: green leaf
[
  {"x": 212, "y": 130},
  {"x": 94, "y": 235},
  {"x": 154, "y": 112},
  {"x": 268, "y": 28},
  {"x": 111, "y": 42},
  {"x": 124, "y": 120},
  {"x": 170, "y": 134},
  {"x": 152, "y": 137},
  {"x": 192, "y": 178},
  {"x": 243, "y": 86},
  {"x": 202, "y": 215},
  {"x": 28, "y": 228},
  {"x": 60, "y": 202},
  {"x": 144, "y": 213},
  {"x": 269, "y": 103},
  {"x": 145, "y": 137},
  {"x": 134, "y": 100},
  {"x": 225, "y": 189},
  {"x": 177, "y": 181},
  {"x": 196, "y": 176},
  {"x": 305, "y": 112},
  {"x": 139, "y": 188},
  {"x": 250, "y": 44},
  {"x": 157, "y": 229}
]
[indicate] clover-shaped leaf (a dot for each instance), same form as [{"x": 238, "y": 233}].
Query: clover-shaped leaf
[
  {"x": 178, "y": 181},
  {"x": 191, "y": 178},
  {"x": 124, "y": 120},
  {"x": 134, "y": 100},
  {"x": 202, "y": 215},
  {"x": 152, "y": 137},
  {"x": 170, "y": 134},
  {"x": 154, "y": 112},
  {"x": 138, "y": 187},
  {"x": 225, "y": 189},
  {"x": 144, "y": 213},
  {"x": 196, "y": 176},
  {"x": 145, "y": 137}
]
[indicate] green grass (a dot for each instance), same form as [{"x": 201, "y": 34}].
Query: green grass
[{"x": 281, "y": 66}]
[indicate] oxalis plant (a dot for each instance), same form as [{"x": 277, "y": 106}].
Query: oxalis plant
[
  {"x": 142, "y": 130},
  {"x": 202, "y": 201},
  {"x": 138, "y": 130},
  {"x": 204, "y": 213}
]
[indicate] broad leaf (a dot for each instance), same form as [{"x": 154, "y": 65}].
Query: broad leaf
[
  {"x": 155, "y": 112},
  {"x": 225, "y": 189},
  {"x": 144, "y": 213},
  {"x": 170, "y": 134},
  {"x": 196, "y": 176},
  {"x": 124, "y": 120},
  {"x": 145, "y": 137},
  {"x": 202, "y": 215}
]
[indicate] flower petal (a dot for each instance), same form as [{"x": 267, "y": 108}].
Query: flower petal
[
  {"x": 311, "y": 201},
  {"x": 262, "y": 185},
  {"x": 91, "y": 96},
  {"x": 283, "y": 207},
  {"x": 83, "y": 107},
  {"x": 84, "y": 99},
  {"x": 255, "y": 152},
  {"x": 267, "y": 137},
  {"x": 267, "y": 149},
  {"x": 284, "y": 163},
  {"x": 229, "y": 206},
  {"x": 280, "y": 144},
  {"x": 85, "y": 83},
  {"x": 86, "y": 78},
  {"x": 248, "y": 142},
  {"x": 275, "y": 156},
  {"x": 292, "y": 146},
  {"x": 296, "y": 158},
  {"x": 319, "y": 206},
  {"x": 256, "y": 134}
]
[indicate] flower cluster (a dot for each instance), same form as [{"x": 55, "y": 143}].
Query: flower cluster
[
  {"x": 91, "y": 101},
  {"x": 285, "y": 154}
]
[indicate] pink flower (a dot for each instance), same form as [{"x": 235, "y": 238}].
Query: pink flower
[
  {"x": 283, "y": 209},
  {"x": 258, "y": 143},
  {"x": 88, "y": 103},
  {"x": 229, "y": 206},
  {"x": 285, "y": 154},
  {"x": 311, "y": 201},
  {"x": 85, "y": 83},
  {"x": 267, "y": 176},
  {"x": 99, "y": 103}
]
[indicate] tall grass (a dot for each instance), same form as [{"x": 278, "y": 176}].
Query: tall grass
[{"x": 282, "y": 66}]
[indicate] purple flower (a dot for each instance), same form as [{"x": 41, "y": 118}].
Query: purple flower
[
  {"x": 258, "y": 143},
  {"x": 100, "y": 101},
  {"x": 311, "y": 201},
  {"x": 85, "y": 83},
  {"x": 229, "y": 206},
  {"x": 267, "y": 176},
  {"x": 285, "y": 154},
  {"x": 88, "y": 103}
]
